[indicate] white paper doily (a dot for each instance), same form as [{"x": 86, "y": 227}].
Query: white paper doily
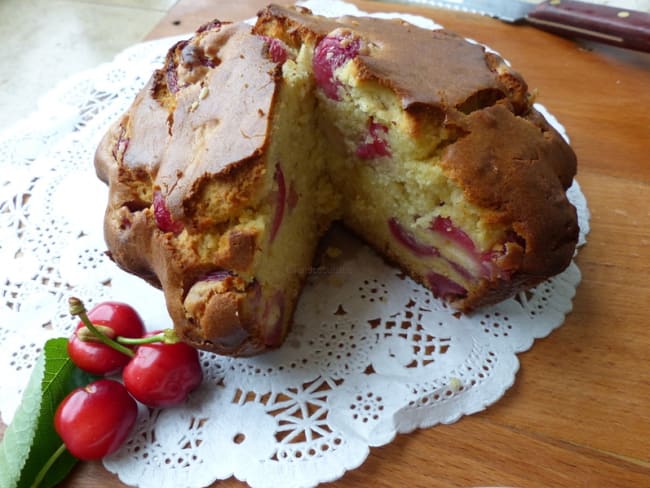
[{"x": 371, "y": 353}]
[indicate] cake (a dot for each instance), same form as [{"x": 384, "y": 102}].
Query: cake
[{"x": 245, "y": 147}]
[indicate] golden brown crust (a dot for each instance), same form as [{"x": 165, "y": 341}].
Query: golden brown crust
[
  {"x": 393, "y": 56},
  {"x": 203, "y": 115},
  {"x": 163, "y": 144},
  {"x": 236, "y": 250},
  {"x": 217, "y": 319},
  {"x": 520, "y": 183}
]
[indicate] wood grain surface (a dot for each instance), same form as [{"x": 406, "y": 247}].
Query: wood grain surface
[{"x": 579, "y": 412}]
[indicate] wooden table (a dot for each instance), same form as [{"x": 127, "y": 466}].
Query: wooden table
[{"x": 579, "y": 413}]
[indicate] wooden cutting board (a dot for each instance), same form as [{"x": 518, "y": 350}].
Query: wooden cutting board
[{"x": 579, "y": 413}]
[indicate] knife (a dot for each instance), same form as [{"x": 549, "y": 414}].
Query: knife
[{"x": 570, "y": 18}]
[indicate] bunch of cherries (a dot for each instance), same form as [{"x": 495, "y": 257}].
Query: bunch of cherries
[{"x": 157, "y": 370}]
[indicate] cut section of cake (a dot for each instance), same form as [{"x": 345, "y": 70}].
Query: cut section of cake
[{"x": 243, "y": 149}]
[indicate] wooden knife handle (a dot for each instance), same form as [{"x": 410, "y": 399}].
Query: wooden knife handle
[{"x": 620, "y": 27}]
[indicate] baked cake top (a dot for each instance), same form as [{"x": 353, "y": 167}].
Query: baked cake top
[{"x": 426, "y": 68}]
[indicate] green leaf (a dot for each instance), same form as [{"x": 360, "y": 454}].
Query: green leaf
[
  {"x": 31, "y": 440},
  {"x": 19, "y": 435}
]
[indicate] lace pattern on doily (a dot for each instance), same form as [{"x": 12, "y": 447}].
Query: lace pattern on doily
[{"x": 371, "y": 353}]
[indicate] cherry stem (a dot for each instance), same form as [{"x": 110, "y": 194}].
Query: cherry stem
[
  {"x": 167, "y": 336},
  {"x": 77, "y": 308},
  {"x": 40, "y": 476}
]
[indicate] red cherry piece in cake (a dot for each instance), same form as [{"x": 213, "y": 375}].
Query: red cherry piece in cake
[
  {"x": 331, "y": 53},
  {"x": 484, "y": 260},
  {"x": 277, "y": 49},
  {"x": 409, "y": 241},
  {"x": 488, "y": 268},
  {"x": 443, "y": 287},
  {"x": 489, "y": 260},
  {"x": 375, "y": 144},
  {"x": 163, "y": 217},
  {"x": 491, "y": 270},
  {"x": 444, "y": 226},
  {"x": 281, "y": 196}
]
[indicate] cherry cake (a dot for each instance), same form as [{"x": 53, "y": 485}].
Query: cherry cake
[{"x": 249, "y": 142}]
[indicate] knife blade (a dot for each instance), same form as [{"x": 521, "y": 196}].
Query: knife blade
[{"x": 620, "y": 27}]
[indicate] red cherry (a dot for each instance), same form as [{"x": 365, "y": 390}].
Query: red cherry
[
  {"x": 330, "y": 54},
  {"x": 163, "y": 216},
  {"x": 163, "y": 375},
  {"x": 443, "y": 287},
  {"x": 94, "y": 421},
  {"x": 408, "y": 240},
  {"x": 98, "y": 358},
  {"x": 445, "y": 227},
  {"x": 375, "y": 144},
  {"x": 277, "y": 49}
]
